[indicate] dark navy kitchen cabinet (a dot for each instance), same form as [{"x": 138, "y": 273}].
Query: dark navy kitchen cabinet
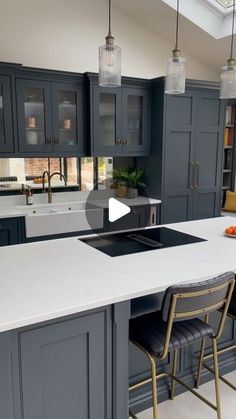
[
  {"x": 6, "y": 377},
  {"x": 34, "y": 115},
  {"x": 6, "y": 116},
  {"x": 65, "y": 372},
  {"x": 185, "y": 166},
  {"x": 10, "y": 231},
  {"x": 50, "y": 116},
  {"x": 120, "y": 118},
  {"x": 140, "y": 216},
  {"x": 72, "y": 367}
]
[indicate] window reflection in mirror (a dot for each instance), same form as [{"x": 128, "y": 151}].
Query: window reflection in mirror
[{"x": 82, "y": 174}]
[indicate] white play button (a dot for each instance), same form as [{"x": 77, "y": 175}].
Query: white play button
[{"x": 117, "y": 210}]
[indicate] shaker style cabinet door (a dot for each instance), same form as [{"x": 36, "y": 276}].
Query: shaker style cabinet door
[
  {"x": 67, "y": 109},
  {"x": 106, "y": 121},
  {"x": 34, "y": 115},
  {"x": 64, "y": 371},
  {"x": 9, "y": 231},
  {"x": 135, "y": 121},
  {"x": 6, "y": 123},
  {"x": 208, "y": 155},
  {"x": 193, "y": 155},
  {"x": 179, "y": 157}
]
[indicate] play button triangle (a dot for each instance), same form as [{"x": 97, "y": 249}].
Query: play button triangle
[{"x": 117, "y": 210}]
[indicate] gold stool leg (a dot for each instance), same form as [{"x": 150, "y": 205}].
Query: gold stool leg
[
  {"x": 154, "y": 387},
  {"x": 200, "y": 363},
  {"x": 132, "y": 415},
  {"x": 174, "y": 367},
  {"x": 216, "y": 373}
]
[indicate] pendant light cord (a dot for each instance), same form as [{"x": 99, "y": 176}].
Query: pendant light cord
[
  {"x": 232, "y": 38},
  {"x": 177, "y": 27},
  {"x": 109, "y": 27}
]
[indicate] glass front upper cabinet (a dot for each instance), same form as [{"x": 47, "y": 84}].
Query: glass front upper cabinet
[
  {"x": 120, "y": 121},
  {"x": 6, "y": 129},
  {"x": 34, "y": 109},
  {"x": 135, "y": 120},
  {"x": 34, "y": 115},
  {"x": 106, "y": 123},
  {"x": 67, "y": 117},
  {"x": 50, "y": 116}
]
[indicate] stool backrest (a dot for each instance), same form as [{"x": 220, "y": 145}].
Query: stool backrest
[{"x": 187, "y": 301}]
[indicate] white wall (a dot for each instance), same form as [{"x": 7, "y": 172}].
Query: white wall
[{"x": 65, "y": 35}]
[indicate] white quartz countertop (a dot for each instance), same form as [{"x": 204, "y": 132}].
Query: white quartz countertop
[
  {"x": 22, "y": 210},
  {"x": 45, "y": 280}
]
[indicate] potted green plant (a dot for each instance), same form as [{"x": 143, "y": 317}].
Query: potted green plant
[
  {"x": 119, "y": 182},
  {"x": 133, "y": 178}
]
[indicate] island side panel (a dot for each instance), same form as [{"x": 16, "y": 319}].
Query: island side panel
[
  {"x": 121, "y": 316},
  {"x": 6, "y": 377}
]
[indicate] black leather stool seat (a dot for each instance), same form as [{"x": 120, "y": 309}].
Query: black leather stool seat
[
  {"x": 232, "y": 305},
  {"x": 149, "y": 331}
]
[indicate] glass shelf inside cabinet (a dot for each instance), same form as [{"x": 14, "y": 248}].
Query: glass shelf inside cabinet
[
  {"x": 135, "y": 119},
  {"x": 107, "y": 118},
  {"x": 34, "y": 107},
  {"x": 2, "y": 131},
  {"x": 67, "y": 113}
]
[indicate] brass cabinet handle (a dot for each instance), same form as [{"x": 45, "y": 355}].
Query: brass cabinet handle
[
  {"x": 191, "y": 174},
  {"x": 48, "y": 140},
  {"x": 197, "y": 164},
  {"x": 118, "y": 141}
]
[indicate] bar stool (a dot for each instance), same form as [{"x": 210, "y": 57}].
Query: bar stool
[
  {"x": 177, "y": 325},
  {"x": 232, "y": 314}
]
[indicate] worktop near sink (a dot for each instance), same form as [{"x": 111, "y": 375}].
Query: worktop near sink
[
  {"x": 74, "y": 213},
  {"x": 12, "y": 206}
]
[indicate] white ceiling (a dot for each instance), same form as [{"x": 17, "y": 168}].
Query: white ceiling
[{"x": 160, "y": 18}]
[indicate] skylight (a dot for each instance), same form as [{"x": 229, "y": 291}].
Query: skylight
[
  {"x": 213, "y": 16},
  {"x": 225, "y": 3}
]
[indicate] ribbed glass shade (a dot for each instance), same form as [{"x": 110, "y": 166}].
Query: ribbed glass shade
[
  {"x": 228, "y": 82},
  {"x": 109, "y": 65},
  {"x": 175, "y": 76}
]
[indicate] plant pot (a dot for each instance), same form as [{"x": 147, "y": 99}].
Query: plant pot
[
  {"x": 121, "y": 191},
  {"x": 132, "y": 193}
]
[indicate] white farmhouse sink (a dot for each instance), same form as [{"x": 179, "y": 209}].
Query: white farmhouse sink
[
  {"x": 54, "y": 208},
  {"x": 48, "y": 219}
]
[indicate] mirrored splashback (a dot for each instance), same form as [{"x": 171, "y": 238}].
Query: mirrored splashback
[{"x": 82, "y": 174}]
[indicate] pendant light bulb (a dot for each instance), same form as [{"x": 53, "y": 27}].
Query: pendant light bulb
[
  {"x": 176, "y": 67},
  {"x": 109, "y": 60},
  {"x": 228, "y": 72}
]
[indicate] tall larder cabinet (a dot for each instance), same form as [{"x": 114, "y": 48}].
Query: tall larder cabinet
[{"x": 185, "y": 167}]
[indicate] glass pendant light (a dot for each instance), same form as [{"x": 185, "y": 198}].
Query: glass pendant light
[
  {"x": 175, "y": 74},
  {"x": 228, "y": 72},
  {"x": 109, "y": 60}
]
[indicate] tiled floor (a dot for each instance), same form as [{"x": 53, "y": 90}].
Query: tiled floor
[{"x": 187, "y": 406}]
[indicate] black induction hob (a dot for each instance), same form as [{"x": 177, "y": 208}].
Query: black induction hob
[{"x": 137, "y": 241}]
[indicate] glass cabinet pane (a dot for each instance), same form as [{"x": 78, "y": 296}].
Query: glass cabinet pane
[
  {"x": 67, "y": 117},
  {"x": 135, "y": 120},
  {"x": 34, "y": 109},
  {"x": 2, "y": 127},
  {"x": 107, "y": 118}
]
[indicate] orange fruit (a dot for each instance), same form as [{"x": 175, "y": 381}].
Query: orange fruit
[{"x": 229, "y": 230}]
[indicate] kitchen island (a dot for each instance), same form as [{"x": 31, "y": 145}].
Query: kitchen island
[{"x": 64, "y": 313}]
